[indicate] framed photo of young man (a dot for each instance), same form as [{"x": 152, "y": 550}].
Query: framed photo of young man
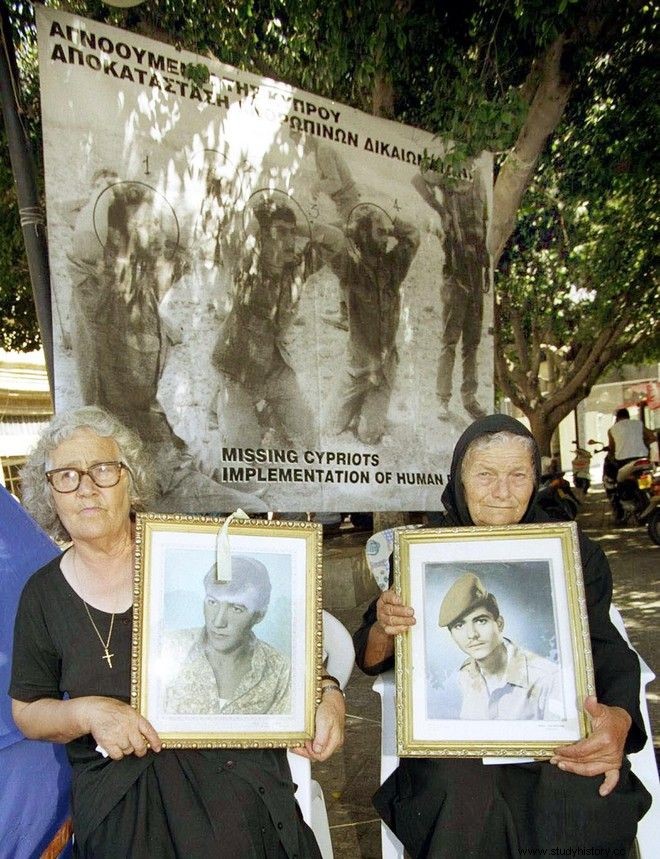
[
  {"x": 227, "y": 630},
  {"x": 499, "y": 661}
]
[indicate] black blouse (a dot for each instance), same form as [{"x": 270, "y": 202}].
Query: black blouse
[{"x": 57, "y": 653}]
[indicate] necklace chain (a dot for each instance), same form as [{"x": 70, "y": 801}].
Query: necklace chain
[{"x": 104, "y": 644}]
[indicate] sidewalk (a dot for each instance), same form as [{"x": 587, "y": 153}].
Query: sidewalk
[{"x": 351, "y": 776}]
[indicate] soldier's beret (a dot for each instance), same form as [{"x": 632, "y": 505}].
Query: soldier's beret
[{"x": 466, "y": 593}]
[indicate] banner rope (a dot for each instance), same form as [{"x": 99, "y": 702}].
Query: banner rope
[{"x": 32, "y": 216}]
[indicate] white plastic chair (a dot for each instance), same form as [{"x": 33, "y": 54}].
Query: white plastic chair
[
  {"x": 391, "y": 847},
  {"x": 642, "y": 763},
  {"x": 338, "y": 648}
]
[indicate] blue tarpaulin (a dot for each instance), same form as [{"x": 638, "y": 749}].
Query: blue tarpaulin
[{"x": 34, "y": 776}]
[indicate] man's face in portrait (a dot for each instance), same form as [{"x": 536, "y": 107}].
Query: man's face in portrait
[
  {"x": 278, "y": 244},
  {"x": 477, "y": 633},
  {"x": 378, "y": 235},
  {"x": 228, "y": 618},
  {"x": 498, "y": 484}
]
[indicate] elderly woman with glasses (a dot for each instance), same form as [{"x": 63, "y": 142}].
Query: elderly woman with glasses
[{"x": 71, "y": 676}]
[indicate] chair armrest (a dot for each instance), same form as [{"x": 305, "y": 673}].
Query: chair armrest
[
  {"x": 385, "y": 687},
  {"x": 338, "y": 648}
]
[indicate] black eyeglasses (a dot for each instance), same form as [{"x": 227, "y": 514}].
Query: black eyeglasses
[{"x": 103, "y": 474}]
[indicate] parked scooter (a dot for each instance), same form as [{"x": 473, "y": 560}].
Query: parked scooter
[
  {"x": 628, "y": 488},
  {"x": 651, "y": 516},
  {"x": 555, "y": 495},
  {"x": 581, "y": 465}
]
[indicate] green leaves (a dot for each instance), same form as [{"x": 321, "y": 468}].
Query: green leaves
[{"x": 465, "y": 72}]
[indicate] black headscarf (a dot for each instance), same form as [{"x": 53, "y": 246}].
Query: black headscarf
[{"x": 453, "y": 497}]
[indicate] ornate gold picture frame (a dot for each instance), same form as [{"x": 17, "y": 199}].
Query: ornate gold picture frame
[
  {"x": 229, "y": 658},
  {"x": 499, "y": 661}
]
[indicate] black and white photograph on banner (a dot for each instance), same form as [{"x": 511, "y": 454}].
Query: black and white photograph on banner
[{"x": 288, "y": 299}]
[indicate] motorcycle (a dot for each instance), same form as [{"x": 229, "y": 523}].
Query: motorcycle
[
  {"x": 651, "y": 515},
  {"x": 556, "y": 497},
  {"x": 627, "y": 488},
  {"x": 633, "y": 481},
  {"x": 581, "y": 466}
]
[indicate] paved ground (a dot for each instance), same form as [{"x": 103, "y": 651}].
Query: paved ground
[{"x": 350, "y": 778}]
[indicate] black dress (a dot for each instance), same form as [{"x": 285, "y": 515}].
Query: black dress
[
  {"x": 447, "y": 808},
  {"x": 178, "y": 803}
]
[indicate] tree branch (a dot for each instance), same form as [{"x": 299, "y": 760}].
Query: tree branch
[{"x": 546, "y": 109}]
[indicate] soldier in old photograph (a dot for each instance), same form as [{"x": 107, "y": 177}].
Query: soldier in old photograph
[
  {"x": 461, "y": 203},
  {"x": 124, "y": 259},
  {"x": 499, "y": 679},
  {"x": 259, "y": 390},
  {"x": 371, "y": 260},
  {"x": 223, "y": 667},
  {"x": 335, "y": 180}
]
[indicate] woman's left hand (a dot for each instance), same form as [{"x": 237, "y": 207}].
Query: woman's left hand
[
  {"x": 329, "y": 733},
  {"x": 601, "y": 753}
]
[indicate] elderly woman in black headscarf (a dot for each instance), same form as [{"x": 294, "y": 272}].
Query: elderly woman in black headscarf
[{"x": 585, "y": 796}]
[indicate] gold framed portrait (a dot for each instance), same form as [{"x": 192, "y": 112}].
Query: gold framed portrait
[
  {"x": 227, "y": 653},
  {"x": 498, "y": 663}
]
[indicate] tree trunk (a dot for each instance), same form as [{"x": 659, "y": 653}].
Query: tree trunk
[
  {"x": 574, "y": 383},
  {"x": 541, "y": 430},
  {"x": 383, "y": 96},
  {"x": 551, "y": 92}
]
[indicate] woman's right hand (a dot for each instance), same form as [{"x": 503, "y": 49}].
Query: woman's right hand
[
  {"x": 392, "y": 616},
  {"x": 118, "y": 728}
]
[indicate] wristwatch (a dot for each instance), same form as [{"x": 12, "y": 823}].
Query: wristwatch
[{"x": 330, "y": 682}]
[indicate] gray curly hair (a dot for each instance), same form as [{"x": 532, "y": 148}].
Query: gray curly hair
[{"x": 36, "y": 493}]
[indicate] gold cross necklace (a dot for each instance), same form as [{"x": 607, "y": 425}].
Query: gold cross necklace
[{"x": 104, "y": 644}]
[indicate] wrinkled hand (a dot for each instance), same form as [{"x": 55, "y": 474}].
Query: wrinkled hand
[
  {"x": 118, "y": 728},
  {"x": 329, "y": 732},
  {"x": 392, "y": 616},
  {"x": 602, "y": 751}
]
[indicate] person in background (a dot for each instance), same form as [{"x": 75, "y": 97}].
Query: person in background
[{"x": 628, "y": 438}]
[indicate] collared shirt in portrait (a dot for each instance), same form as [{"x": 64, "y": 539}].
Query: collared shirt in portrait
[
  {"x": 529, "y": 689},
  {"x": 265, "y": 688}
]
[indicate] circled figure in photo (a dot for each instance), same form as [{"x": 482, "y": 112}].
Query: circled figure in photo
[
  {"x": 499, "y": 679},
  {"x": 225, "y": 667},
  {"x": 259, "y": 389},
  {"x": 125, "y": 257},
  {"x": 371, "y": 260}
]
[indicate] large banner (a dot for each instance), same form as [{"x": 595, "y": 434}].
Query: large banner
[{"x": 274, "y": 290}]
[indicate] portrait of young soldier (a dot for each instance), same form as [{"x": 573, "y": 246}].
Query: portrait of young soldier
[
  {"x": 224, "y": 666},
  {"x": 499, "y": 679}
]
